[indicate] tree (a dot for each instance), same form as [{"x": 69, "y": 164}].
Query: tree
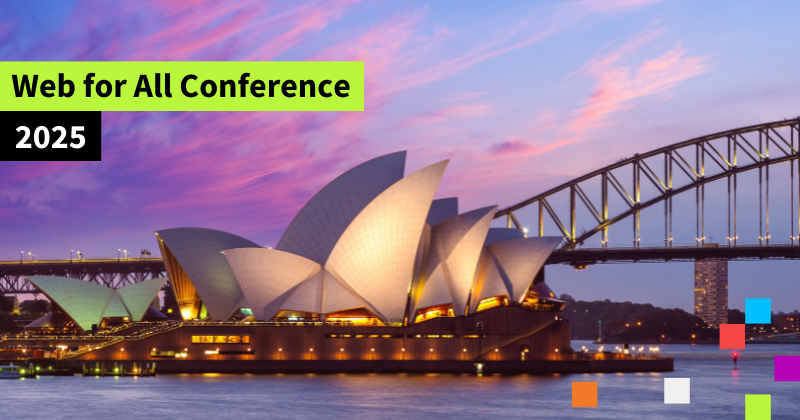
[
  {"x": 37, "y": 306},
  {"x": 735, "y": 316},
  {"x": 567, "y": 298},
  {"x": 6, "y": 304},
  {"x": 7, "y": 325}
]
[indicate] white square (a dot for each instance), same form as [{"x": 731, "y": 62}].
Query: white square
[{"x": 676, "y": 390}]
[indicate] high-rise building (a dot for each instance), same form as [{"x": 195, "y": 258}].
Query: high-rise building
[{"x": 711, "y": 290}]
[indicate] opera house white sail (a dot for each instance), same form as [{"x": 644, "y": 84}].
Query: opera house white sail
[
  {"x": 269, "y": 276},
  {"x": 88, "y": 303},
  {"x": 455, "y": 249},
  {"x": 372, "y": 244},
  {"x": 321, "y": 222},
  {"x": 199, "y": 272},
  {"x": 375, "y": 255}
]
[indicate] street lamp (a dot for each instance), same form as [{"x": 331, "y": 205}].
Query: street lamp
[
  {"x": 30, "y": 256},
  {"x": 70, "y": 255},
  {"x": 118, "y": 251},
  {"x": 126, "y": 253}
]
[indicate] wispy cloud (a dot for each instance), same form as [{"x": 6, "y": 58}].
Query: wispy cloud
[
  {"x": 245, "y": 172},
  {"x": 616, "y": 88},
  {"x": 452, "y": 113}
]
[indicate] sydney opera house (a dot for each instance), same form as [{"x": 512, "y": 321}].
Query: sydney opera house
[{"x": 371, "y": 268}]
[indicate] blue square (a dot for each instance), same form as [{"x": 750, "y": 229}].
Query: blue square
[{"x": 758, "y": 311}]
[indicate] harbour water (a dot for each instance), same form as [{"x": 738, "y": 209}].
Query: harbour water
[{"x": 717, "y": 392}]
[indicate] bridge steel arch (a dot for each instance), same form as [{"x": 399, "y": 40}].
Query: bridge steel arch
[{"x": 739, "y": 144}]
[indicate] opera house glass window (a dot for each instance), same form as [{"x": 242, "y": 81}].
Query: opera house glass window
[{"x": 220, "y": 339}]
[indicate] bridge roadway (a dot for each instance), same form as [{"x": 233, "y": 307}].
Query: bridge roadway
[
  {"x": 582, "y": 257},
  {"x": 120, "y": 272}
]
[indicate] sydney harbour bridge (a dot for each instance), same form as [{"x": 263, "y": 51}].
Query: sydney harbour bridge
[{"x": 722, "y": 178}]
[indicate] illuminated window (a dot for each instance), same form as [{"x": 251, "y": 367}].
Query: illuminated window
[
  {"x": 492, "y": 302},
  {"x": 162, "y": 353},
  {"x": 434, "y": 312},
  {"x": 220, "y": 339}
]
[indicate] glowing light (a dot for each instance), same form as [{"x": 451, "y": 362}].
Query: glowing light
[{"x": 187, "y": 313}]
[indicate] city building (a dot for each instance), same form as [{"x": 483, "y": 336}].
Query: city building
[
  {"x": 711, "y": 290},
  {"x": 371, "y": 267},
  {"x": 790, "y": 322}
]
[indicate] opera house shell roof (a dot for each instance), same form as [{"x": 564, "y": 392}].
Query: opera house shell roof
[
  {"x": 371, "y": 244},
  {"x": 88, "y": 303}
]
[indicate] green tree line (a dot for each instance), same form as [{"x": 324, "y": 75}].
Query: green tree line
[{"x": 638, "y": 322}]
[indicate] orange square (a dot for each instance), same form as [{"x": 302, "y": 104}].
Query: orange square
[
  {"x": 584, "y": 394},
  {"x": 731, "y": 336}
]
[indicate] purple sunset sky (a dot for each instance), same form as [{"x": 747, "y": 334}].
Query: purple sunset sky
[{"x": 520, "y": 96}]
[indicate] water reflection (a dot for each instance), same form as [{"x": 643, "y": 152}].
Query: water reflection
[{"x": 717, "y": 392}]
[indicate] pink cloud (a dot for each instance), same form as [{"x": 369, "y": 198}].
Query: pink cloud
[
  {"x": 248, "y": 172},
  {"x": 616, "y": 87}
]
